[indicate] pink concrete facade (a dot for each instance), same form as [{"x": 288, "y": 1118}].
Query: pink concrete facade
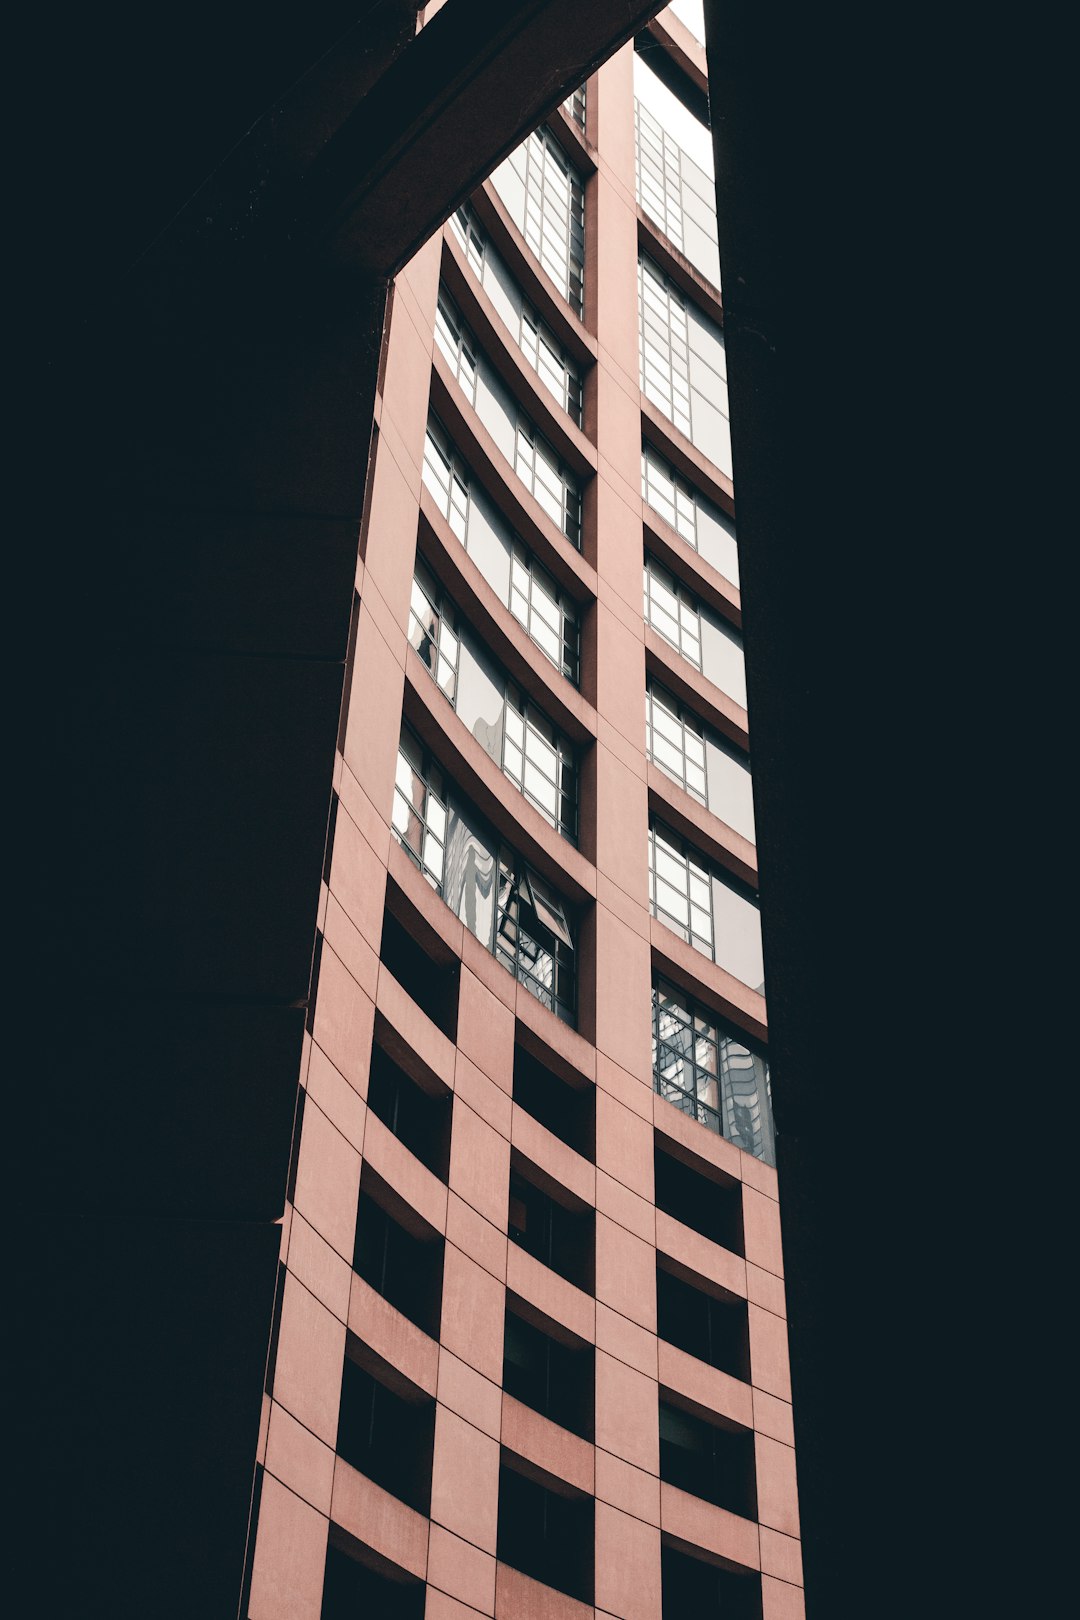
[{"x": 309, "y": 1495}]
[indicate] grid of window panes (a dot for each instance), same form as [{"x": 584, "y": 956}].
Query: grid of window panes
[
  {"x": 546, "y": 199},
  {"x": 575, "y": 106},
  {"x": 419, "y": 814},
  {"x": 544, "y": 353},
  {"x": 457, "y": 343},
  {"x": 447, "y": 477},
  {"x": 680, "y": 889},
  {"x": 533, "y": 939},
  {"x": 540, "y": 763},
  {"x": 672, "y": 611},
  {"x": 541, "y": 471},
  {"x": 699, "y": 522},
  {"x": 664, "y": 346},
  {"x": 472, "y": 238},
  {"x": 675, "y": 741},
  {"x": 548, "y": 616},
  {"x": 659, "y": 177},
  {"x": 533, "y": 337},
  {"x": 705, "y": 1068},
  {"x": 433, "y": 631},
  {"x": 531, "y": 752}
]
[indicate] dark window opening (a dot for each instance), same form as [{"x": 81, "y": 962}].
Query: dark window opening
[
  {"x": 713, "y": 1208},
  {"x": 406, "y": 1269},
  {"x": 711, "y": 1460},
  {"x": 561, "y": 1238},
  {"x": 387, "y": 1437},
  {"x": 714, "y": 1330},
  {"x": 545, "y": 1534},
  {"x": 352, "y": 1588},
  {"x": 419, "y": 1120},
  {"x": 568, "y": 1112},
  {"x": 432, "y": 985},
  {"x": 554, "y": 1378},
  {"x": 692, "y": 1587}
]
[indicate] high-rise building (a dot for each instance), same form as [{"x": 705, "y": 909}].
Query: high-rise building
[{"x": 529, "y": 1352}]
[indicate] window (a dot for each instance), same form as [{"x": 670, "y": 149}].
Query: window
[
  {"x": 575, "y": 106},
  {"x": 446, "y": 477},
  {"x": 690, "y": 1586},
  {"x": 545, "y": 476},
  {"x": 708, "y": 1203},
  {"x": 418, "y": 1119},
  {"x": 546, "y": 613},
  {"x": 712, "y": 1460},
  {"x": 556, "y": 370},
  {"x": 545, "y": 1533},
  {"x": 432, "y": 985},
  {"x": 702, "y": 762},
  {"x": 352, "y": 1588},
  {"x": 545, "y": 199},
  {"x": 672, "y": 611},
  {"x": 406, "y": 1268},
  {"x": 419, "y": 815},
  {"x": 553, "y": 1377},
  {"x": 567, "y": 1111},
  {"x": 700, "y": 523},
  {"x": 706, "y": 907},
  {"x": 533, "y": 937},
  {"x": 540, "y": 763},
  {"x": 457, "y": 343},
  {"x": 711, "y": 1326},
  {"x": 514, "y": 732},
  {"x": 665, "y": 345},
  {"x": 683, "y": 364},
  {"x": 385, "y": 1436},
  {"x": 680, "y": 890},
  {"x": 675, "y": 167},
  {"x": 708, "y": 1069},
  {"x": 522, "y": 920},
  {"x": 556, "y": 1235},
  {"x": 675, "y": 741}
]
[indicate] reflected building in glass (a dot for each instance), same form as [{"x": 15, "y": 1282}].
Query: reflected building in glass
[{"x": 530, "y": 1348}]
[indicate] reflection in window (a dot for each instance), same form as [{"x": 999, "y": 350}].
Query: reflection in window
[
  {"x": 517, "y": 735},
  {"x": 545, "y": 199},
  {"x": 534, "y": 939},
  {"x": 706, "y": 907},
  {"x": 700, "y": 523},
  {"x": 524, "y": 922},
  {"x": 556, "y": 370},
  {"x": 545, "y": 612},
  {"x": 706, "y": 1068},
  {"x": 419, "y": 816}
]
